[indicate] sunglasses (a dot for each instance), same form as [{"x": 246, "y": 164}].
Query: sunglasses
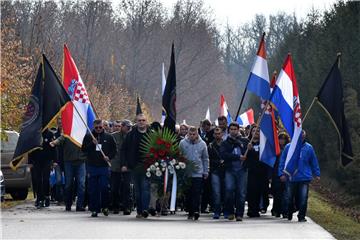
[{"x": 98, "y": 127}]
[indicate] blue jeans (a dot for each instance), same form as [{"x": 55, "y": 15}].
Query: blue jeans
[
  {"x": 301, "y": 191},
  {"x": 235, "y": 181},
  {"x": 98, "y": 187},
  {"x": 216, "y": 184},
  {"x": 59, "y": 188},
  {"x": 142, "y": 192},
  {"x": 77, "y": 172}
]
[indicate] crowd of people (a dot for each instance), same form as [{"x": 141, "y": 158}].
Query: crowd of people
[{"x": 100, "y": 174}]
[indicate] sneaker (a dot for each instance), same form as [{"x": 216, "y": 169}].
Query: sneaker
[
  {"x": 145, "y": 214},
  {"x": 105, "y": 211},
  {"x": 80, "y": 209},
  {"x": 302, "y": 220},
  {"x": 40, "y": 205},
  {"x": 231, "y": 217},
  {"x": 94, "y": 214},
  {"x": 68, "y": 208},
  {"x": 216, "y": 216},
  {"x": 263, "y": 211},
  {"x": 239, "y": 219},
  {"x": 196, "y": 216},
  {"x": 139, "y": 216}
]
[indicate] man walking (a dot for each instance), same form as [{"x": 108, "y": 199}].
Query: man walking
[
  {"x": 98, "y": 167},
  {"x": 195, "y": 150}
]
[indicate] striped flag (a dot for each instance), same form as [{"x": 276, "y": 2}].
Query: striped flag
[
  {"x": 286, "y": 99},
  {"x": 247, "y": 118},
  {"x": 73, "y": 119}
]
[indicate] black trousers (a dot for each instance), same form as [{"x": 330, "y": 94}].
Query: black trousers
[
  {"x": 206, "y": 194},
  {"x": 194, "y": 195},
  {"x": 277, "y": 190},
  {"x": 125, "y": 191},
  {"x": 42, "y": 176}
]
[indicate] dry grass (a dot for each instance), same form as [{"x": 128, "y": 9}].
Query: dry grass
[{"x": 332, "y": 218}]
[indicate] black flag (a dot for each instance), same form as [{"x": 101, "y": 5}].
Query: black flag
[
  {"x": 138, "y": 107},
  {"x": 330, "y": 98},
  {"x": 55, "y": 96},
  {"x": 169, "y": 96},
  {"x": 30, "y": 132}
]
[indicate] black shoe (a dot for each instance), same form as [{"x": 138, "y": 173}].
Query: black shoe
[
  {"x": 239, "y": 219},
  {"x": 164, "y": 213},
  {"x": 263, "y": 211},
  {"x": 205, "y": 211},
  {"x": 152, "y": 212},
  {"x": 80, "y": 209},
  {"x": 94, "y": 214},
  {"x": 253, "y": 214},
  {"x": 145, "y": 214},
  {"x": 40, "y": 205},
  {"x": 36, "y": 203},
  {"x": 196, "y": 216},
  {"x": 68, "y": 208},
  {"x": 47, "y": 202},
  {"x": 116, "y": 211},
  {"x": 105, "y": 211},
  {"x": 289, "y": 217},
  {"x": 277, "y": 215},
  {"x": 302, "y": 220},
  {"x": 190, "y": 217},
  {"x": 284, "y": 215},
  {"x": 127, "y": 212}
]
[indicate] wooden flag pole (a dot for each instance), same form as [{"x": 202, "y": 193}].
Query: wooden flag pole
[{"x": 92, "y": 135}]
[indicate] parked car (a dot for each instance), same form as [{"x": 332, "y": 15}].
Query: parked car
[
  {"x": 2, "y": 186},
  {"x": 17, "y": 182}
]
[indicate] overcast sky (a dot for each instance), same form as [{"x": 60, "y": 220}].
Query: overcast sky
[{"x": 241, "y": 11}]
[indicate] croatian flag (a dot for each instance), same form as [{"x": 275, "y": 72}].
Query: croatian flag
[
  {"x": 163, "y": 84},
  {"x": 286, "y": 99},
  {"x": 73, "y": 125},
  {"x": 247, "y": 118},
  {"x": 224, "y": 110},
  {"x": 259, "y": 84}
]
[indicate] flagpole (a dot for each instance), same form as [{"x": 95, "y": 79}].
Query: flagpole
[
  {"x": 92, "y": 135},
  {"x": 308, "y": 110}
]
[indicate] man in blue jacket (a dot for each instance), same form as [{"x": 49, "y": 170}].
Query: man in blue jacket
[{"x": 298, "y": 184}]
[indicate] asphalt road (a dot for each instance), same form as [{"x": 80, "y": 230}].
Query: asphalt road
[{"x": 26, "y": 222}]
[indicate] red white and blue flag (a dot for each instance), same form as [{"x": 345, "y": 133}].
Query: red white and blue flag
[
  {"x": 286, "y": 99},
  {"x": 259, "y": 84},
  {"x": 72, "y": 119},
  {"x": 224, "y": 110},
  {"x": 247, "y": 118}
]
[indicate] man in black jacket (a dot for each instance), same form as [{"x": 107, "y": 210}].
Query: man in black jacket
[
  {"x": 217, "y": 171},
  {"x": 133, "y": 161},
  {"x": 232, "y": 150},
  {"x": 99, "y": 151}
]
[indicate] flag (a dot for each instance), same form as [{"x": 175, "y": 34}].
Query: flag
[
  {"x": 138, "y": 107},
  {"x": 169, "y": 96},
  {"x": 247, "y": 118},
  {"x": 207, "y": 116},
  {"x": 55, "y": 96},
  {"x": 259, "y": 84},
  {"x": 30, "y": 132},
  {"x": 80, "y": 112},
  {"x": 330, "y": 98},
  {"x": 258, "y": 81},
  {"x": 286, "y": 99},
  {"x": 163, "y": 84},
  {"x": 224, "y": 110}
]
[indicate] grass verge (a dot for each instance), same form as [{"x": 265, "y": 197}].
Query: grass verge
[{"x": 332, "y": 218}]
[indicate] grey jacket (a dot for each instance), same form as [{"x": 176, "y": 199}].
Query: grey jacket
[
  {"x": 72, "y": 153},
  {"x": 117, "y": 162},
  {"x": 197, "y": 153}
]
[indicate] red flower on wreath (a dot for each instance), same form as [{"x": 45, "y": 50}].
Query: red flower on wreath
[
  {"x": 159, "y": 141},
  {"x": 162, "y": 153},
  {"x": 167, "y": 145},
  {"x": 152, "y": 150}
]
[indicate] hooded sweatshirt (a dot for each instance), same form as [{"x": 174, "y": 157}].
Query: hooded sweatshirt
[{"x": 197, "y": 153}]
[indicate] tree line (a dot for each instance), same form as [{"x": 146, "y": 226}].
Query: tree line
[{"x": 119, "y": 51}]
